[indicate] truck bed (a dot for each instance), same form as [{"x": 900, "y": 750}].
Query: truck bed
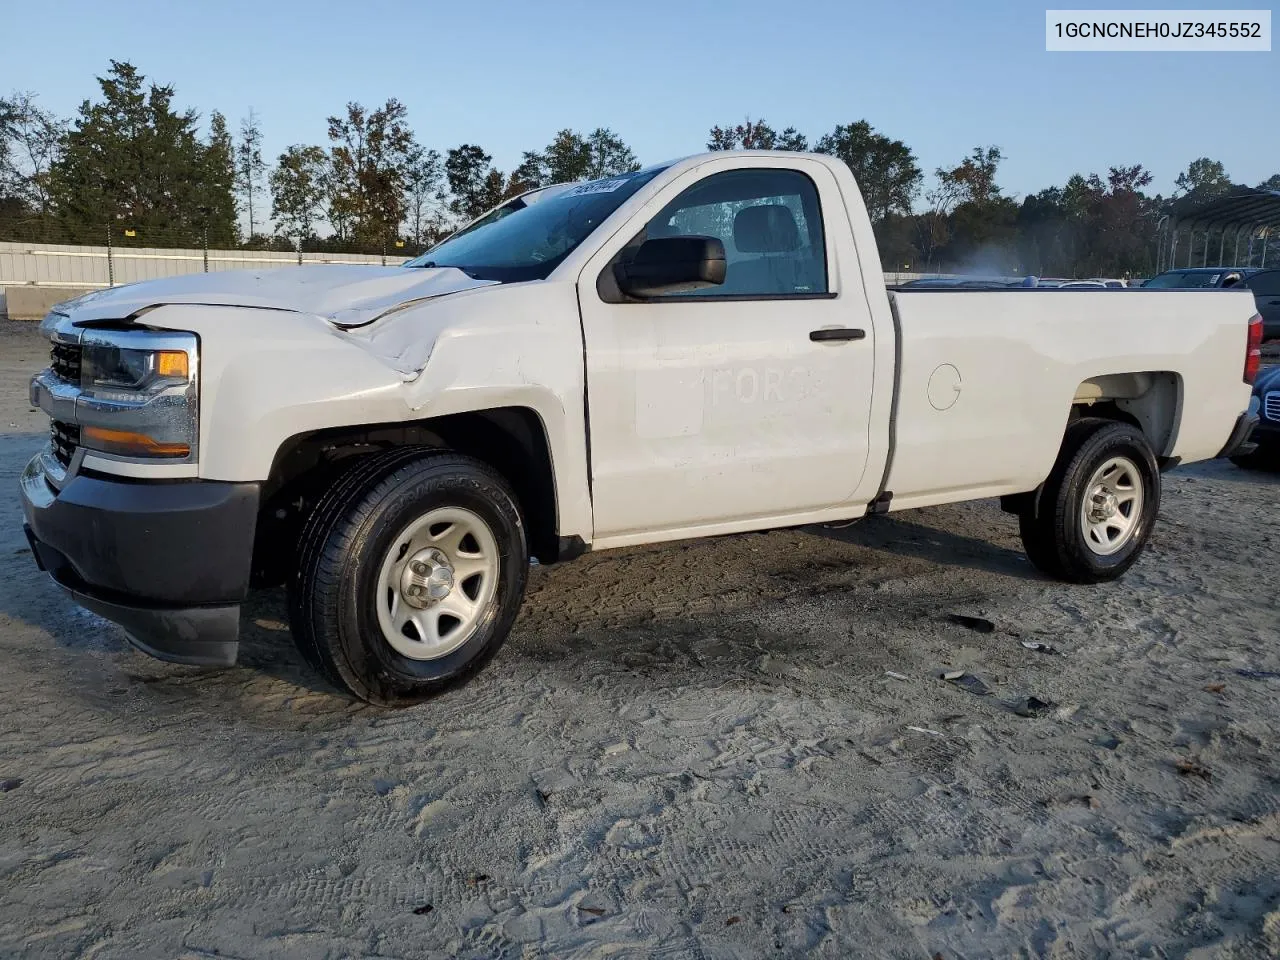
[{"x": 987, "y": 378}]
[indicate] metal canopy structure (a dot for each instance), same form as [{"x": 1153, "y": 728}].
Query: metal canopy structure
[{"x": 1243, "y": 214}]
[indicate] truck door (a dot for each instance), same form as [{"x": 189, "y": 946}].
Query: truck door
[{"x": 736, "y": 402}]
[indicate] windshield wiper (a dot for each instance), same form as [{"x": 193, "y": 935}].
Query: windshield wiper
[{"x": 429, "y": 263}]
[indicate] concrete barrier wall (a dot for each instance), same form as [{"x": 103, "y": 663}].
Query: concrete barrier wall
[{"x": 33, "y": 303}]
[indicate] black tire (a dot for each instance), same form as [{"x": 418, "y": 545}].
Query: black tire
[
  {"x": 1050, "y": 526},
  {"x": 332, "y": 606}
]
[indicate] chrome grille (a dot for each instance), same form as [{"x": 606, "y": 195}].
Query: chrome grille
[
  {"x": 64, "y": 437},
  {"x": 1271, "y": 406},
  {"x": 64, "y": 361}
]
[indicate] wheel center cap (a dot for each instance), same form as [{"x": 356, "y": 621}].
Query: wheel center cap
[
  {"x": 1105, "y": 505},
  {"x": 427, "y": 579}
]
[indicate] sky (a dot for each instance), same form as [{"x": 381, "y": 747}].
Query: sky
[{"x": 943, "y": 77}]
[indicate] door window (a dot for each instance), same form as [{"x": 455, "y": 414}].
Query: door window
[{"x": 770, "y": 223}]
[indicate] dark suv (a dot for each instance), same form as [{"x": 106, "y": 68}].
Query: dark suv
[
  {"x": 1265, "y": 285},
  {"x": 1267, "y": 432}
]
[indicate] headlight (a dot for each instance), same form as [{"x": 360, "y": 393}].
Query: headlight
[
  {"x": 123, "y": 374},
  {"x": 138, "y": 396}
]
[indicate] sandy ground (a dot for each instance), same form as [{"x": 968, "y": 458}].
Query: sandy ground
[{"x": 689, "y": 751}]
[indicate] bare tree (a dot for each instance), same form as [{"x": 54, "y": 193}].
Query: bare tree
[
  {"x": 422, "y": 178},
  {"x": 251, "y": 169},
  {"x": 30, "y": 142}
]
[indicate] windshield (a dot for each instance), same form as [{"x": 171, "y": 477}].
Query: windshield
[
  {"x": 527, "y": 238},
  {"x": 1182, "y": 279}
]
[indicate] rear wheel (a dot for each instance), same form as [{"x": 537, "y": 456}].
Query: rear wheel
[
  {"x": 1094, "y": 514},
  {"x": 411, "y": 572}
]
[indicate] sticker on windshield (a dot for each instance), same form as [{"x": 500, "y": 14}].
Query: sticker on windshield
[{"x": 597, "y": 186}]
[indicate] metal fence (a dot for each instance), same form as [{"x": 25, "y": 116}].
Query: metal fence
[{"x": 82, "y": 267}]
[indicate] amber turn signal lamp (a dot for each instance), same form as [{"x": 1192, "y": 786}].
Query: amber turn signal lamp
[
  {"x": 128, "y": 443},
  {"x": 172, "y": 363}
]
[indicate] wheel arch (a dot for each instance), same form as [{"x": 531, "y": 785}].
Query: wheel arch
[
  {"x": 513, "y": 440},
  {"x": 1149, "y": 400}
]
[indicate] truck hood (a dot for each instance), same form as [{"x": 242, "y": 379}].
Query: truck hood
[{"x": 347, "y": 295}]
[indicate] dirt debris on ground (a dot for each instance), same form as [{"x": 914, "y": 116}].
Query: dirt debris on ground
[{"x": 735, "y": 747}]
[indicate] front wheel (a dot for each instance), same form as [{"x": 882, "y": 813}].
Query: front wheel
[
  {"x": 1094, "y": 514},
  {"x": 411, "y": 572}
]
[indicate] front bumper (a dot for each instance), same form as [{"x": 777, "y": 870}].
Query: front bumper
[{"x": 168, "y": 561}]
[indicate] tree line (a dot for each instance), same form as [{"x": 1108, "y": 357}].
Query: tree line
[{"x": 133, "y": 164}]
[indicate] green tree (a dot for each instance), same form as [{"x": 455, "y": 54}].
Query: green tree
[
  {"x": 251, "y": 169},
  {"x": 566, "y": 159},
  {"x": 974, "y": 179},
  {"x": 496, "y": 189},
  {"x": 570, "y": 157},
  {"x": 299, "y": 189},
  {"x": 474, "y": 184},
  {"x": 886, "y": 170},
  {"x": 610, "y": 156},
  {"x": 1125, "y": 228},
  {"x": 755, "y": 135},
  {"x": 980, "y": 223},
  {"x": 721, "y": 138},
  {"x": 1271, "y": 183},
  {"x": 532, "y": 171},
  {"x": 1042, "y": 227},
  {"x": 1203, "y": 179},
  {"x": 368, "y": 159},
  {"x": 215, "y": 192},
  {"x": 748, "y": 135},
  {"x": 1092, "y": 226},
  {"x": 791, "y": 139},
  {"x": 132, "y": 158}
]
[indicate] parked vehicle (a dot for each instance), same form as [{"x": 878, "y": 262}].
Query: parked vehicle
[
  {"x": 957, "y": 283},
  {"x": 1058, "y": 283},
  {"x": 699, "y": 348},
  {"x": 1197, "y": 278},
  {"x": 1265, "y": 439},
  {"x": 1265, "y": 285}
]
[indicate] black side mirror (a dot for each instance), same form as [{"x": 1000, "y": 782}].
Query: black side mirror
[{"x": 672, "y": 265}]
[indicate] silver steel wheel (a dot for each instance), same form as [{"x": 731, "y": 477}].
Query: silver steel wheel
[
  {"x": 436, "y": 581},
  {"x": 1112, "y": 508}
]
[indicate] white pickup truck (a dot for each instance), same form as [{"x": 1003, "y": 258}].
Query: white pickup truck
[{"x": 698, "y": 348}]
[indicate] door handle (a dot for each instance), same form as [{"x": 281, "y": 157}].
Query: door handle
[{"x": 835, "y": 334}]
